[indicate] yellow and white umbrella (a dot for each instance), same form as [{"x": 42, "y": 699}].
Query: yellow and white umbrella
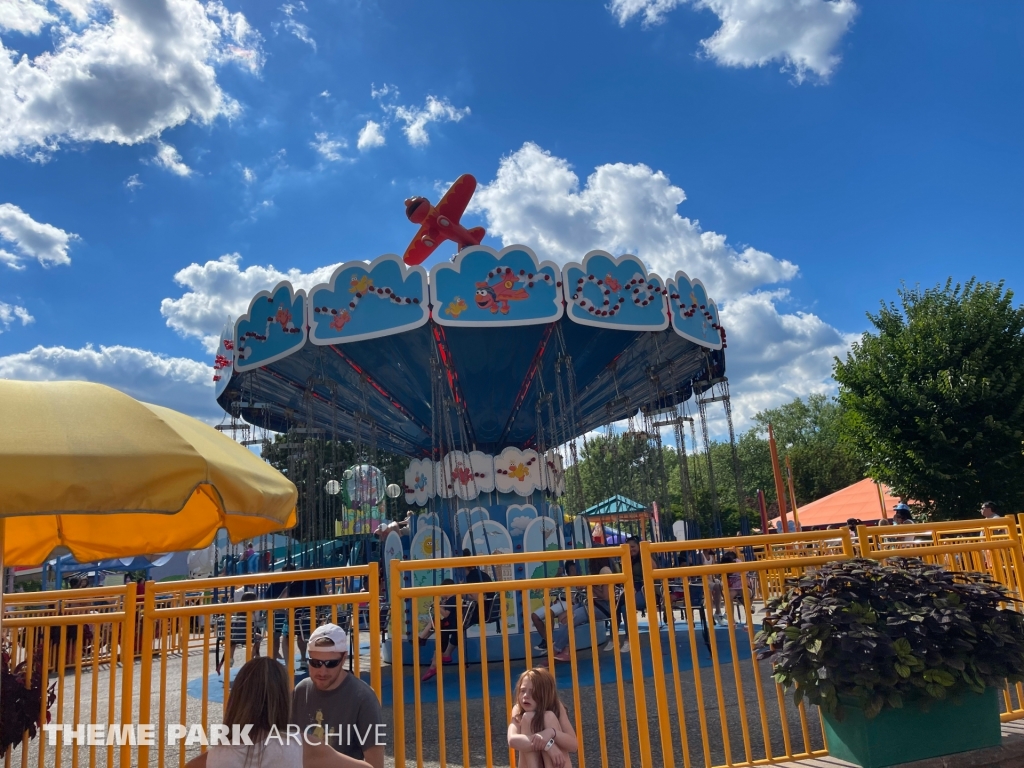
[{"x": 87, "y": 469}]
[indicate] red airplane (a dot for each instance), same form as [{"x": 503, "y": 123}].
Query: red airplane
[{"x": 441, "y": 223}]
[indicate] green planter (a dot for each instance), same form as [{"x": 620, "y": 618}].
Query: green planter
[{"x": 902, "y": 735}]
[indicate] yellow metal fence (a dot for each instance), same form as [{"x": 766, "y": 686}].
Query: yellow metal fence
[{"x": 689, "y": 692}]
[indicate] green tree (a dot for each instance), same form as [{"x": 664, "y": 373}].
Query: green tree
[
  {"x": 809, "y": 433},
  {"x": 935, "y": 397}
]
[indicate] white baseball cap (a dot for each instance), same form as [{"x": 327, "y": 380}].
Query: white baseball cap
[{"x": 329, "y": 638}]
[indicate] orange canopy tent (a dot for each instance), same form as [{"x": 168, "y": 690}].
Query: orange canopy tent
[{"x": 859, "y": 500}]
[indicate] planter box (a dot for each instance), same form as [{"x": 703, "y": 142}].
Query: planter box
[{"x": 903, "y": 735}]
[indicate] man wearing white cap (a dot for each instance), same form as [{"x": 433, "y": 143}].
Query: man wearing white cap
[{"x": 337, "y": 705}]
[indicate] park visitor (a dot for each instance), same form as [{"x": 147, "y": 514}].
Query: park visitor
[
  {"x": 474, "y": 575},
  {"x": 988, "y": 510},
  {"x": 558, "y": 608},
  {"x": 901, "y": 515},
  {"x": 540, "y": 730},
  {"x": 259, "y": 697},
  {"x": 342, "y": 708},
  {"x": 638, "y": 589},
  {"x": 580, "y": 615},
  {"x": 449, "y": 626},
  {"x": 237, "y": 636}
]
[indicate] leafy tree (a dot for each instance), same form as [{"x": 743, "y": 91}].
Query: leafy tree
[
  {"x": 809, "y": 433},
  {"x": 936, "y": 398}
]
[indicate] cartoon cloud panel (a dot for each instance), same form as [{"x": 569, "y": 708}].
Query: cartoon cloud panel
[
  {"x": 517, "y": 471},
  {"x": 367, "y": 301},
  {"x": 419, "y": 482},
  {"x": 694, "y": 314},
  {"x": 224, "y": 362},
  {"x": 274, "y": 327},
  {"x": 552, "y": 473},
  {"x": 465, "y": 475},
  {"x": 484, "y": 288},
  {"x": 611, "y": 292}
]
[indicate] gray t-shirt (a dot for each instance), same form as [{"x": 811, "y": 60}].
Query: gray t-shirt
[{"x": 352, "y": 708}]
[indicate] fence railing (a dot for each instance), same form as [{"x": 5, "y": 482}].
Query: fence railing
[
  {"x": 179, "y": 621},
  {"x": 690, "y": 691},
  {"x": 721, "y": 707},
  {"x": 82, "y": 639},
  {"x": 612, "y": 696}
]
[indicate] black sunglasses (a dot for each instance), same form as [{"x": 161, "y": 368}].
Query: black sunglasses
[{"x": 329, "y": 663}]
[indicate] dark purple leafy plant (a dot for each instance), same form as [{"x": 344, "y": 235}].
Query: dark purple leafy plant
[
  {"x": 20, "y": 705},
  {"x": 874, "y": 635}
]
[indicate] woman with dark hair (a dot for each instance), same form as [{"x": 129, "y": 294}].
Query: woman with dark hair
[
  {"x": 260, "y": 697},
  {"x": 636, "y": 563}
]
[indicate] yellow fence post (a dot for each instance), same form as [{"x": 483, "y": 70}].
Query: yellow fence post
[
  {"x": 639, "y": 693},
  {"x": 397, "y": 682},
  {"x": 127, "y": 666},
  {"x": 665, "y": 727},
  {"x": 374, "y": 627},
  {"x": 146, "y": 668}
]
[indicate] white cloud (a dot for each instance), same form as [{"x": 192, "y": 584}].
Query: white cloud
[
  {"x": 291, "y": 24},
  {"x": 249, "y": 175},
  {"x": 328, "y": 147},
  {"x": 370, "y": 136},
  {"x": 384, "y": 91},
  {"x": 25, "y": 16},
  {"x": 218, "y": 290},
  {"x": 11, "y": 312},
  {"x": 176, "y": 382},
  {"x": 801, "y": 34},
  {"x": 774, "y": 357},
  {"x": 652, "y": 11},
  {"x": 31, "y": 239},
  {"x": 167, "y": 157},
  {"x": 325, "y": 94},
  {"x": 132, "y": 183},
  {"x": 417, "y": 119},
  {"x": 122, "y": 72},
  {"x": 536, "y": 199}
]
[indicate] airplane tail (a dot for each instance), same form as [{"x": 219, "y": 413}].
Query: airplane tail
[{"x": 478, "y": 234}]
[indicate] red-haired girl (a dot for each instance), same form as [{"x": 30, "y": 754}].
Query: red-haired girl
[{"x": 540, "y": 729}]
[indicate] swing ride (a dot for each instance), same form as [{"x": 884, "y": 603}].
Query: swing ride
[{"x": 486, "y": 373}]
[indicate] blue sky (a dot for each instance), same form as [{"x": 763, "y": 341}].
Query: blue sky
[{"x": 162, "y": 162}]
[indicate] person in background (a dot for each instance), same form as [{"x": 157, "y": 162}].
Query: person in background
[
  {"x": 852, "y": 524},
  {"x": 988, "y": 510},
  {"x": 275, "y": 591},
  {"x": 448, "y": 622},
  {"x": 901, "y": 515},
  {"x": 236, "y": 636},
  {"x": 474, "y": 575},
  {"x": 637, "y": 567},
  {"x": 581, "y": 615},
  {"x": 333, "y": 697},
  {"x": 559, "y": 607}
]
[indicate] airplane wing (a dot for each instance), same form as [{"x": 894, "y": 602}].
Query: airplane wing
[
  {"x": 418, "y": 251},
  {"x": 455, "y": 200}
]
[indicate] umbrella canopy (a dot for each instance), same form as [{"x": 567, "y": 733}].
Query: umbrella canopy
[
  {"x": 859, "y": 500},
  {"x": 87, "y": 468}
]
